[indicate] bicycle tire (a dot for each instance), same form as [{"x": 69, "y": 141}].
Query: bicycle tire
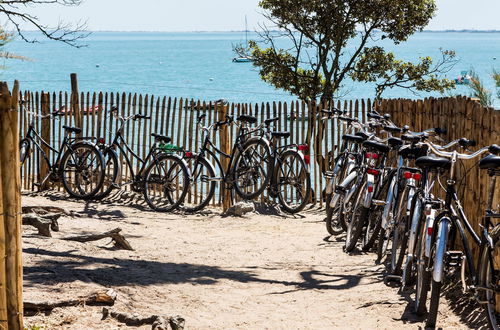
[
  {"x": 488, "y": 280},
  {"x": 400, "y": 239},
  {"x": 69, "y": 155},
  {"x": 357, "y": 221},
  {"x": 409, "y": 271},
  {"x": 238, "y": 168},
  {"x": 423, "y": 280},
  {"x": 112, "y": 169},
  {"x": 302, "y": 174},
  {"x": 434, "y": 304},
  {"x": 153, "y": 180},
  {"x": 195, "y": 177},
  {"x": 333, "y": 228},
  {"x": 385, "y": 236}
]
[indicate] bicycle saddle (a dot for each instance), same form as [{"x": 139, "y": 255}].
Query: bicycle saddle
[
  {"x": 490, "y": 162},
  {"x": 433, "y": 162},
  {"x": 247, "y": 119},
  {"x": 75, "y": 130},
  {"x": 283, "y": 135},
  {"x": 395, "y": 142},
  {"x": 382, "y": 147},
  {"x": 161, "y": 138},
  {"x": 409, "y": 152},
  {"x": 353, "y": 138}
]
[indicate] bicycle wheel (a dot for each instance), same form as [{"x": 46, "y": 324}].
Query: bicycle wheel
[
  {"x": 166, "y": 182},
  {"x": 201, "y": 187},
  {"x": 489, "y": 271},
  {"x": 400, "y": 239},
  {"x": 82, "y": 170},
  {"x": 409, "y": 269},
  {"x": 333, "y": 216},
  {"x": 434, "y": 304},
  {"x": 374, "y": 221},
  {"x": 293, "y": 182},
  {"x": 386, "y": 232},
  {"x": 251, "y": 169},
  {"x": 423, "y": 274},
  {"x": 111, "y": 174},
  {"x": 357, "y": 220}
]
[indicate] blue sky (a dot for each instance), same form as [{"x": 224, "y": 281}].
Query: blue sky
[{"x": 227, "y": 15}]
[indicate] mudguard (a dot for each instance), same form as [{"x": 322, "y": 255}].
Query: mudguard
[{"x": 441, "y": 241}]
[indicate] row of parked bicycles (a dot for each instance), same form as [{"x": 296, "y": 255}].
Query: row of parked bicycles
[
  {"x": 171, "y": 177},
  {"x": 382, "y": 194}
]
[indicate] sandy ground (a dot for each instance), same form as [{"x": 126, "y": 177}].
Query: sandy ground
[{"x": 253, "y": 272}]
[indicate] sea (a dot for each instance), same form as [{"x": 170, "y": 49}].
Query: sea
[{"x": 199, "y": 65}]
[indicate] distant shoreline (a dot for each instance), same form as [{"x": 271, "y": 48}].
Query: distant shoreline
[{"x": 242, "y": 31}]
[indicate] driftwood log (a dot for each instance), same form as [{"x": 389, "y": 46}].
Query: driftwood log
[
  {"x": 106, "y": 298},
  {"x": 42, "y": 210},
  {"x": 157, "y": 322},
  {"x": 120, "y": 241},
  {"x": 44, "y": 223}
]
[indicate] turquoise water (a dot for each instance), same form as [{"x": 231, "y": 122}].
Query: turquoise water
[{"x": 198, "y": 65}]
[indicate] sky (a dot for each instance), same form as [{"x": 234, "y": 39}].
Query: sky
[{"x": 229, "y": 15}]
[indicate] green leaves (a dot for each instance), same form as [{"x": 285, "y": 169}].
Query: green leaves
[
  {"x": 319, "y": 59},
  {"x": 376, "y": 65}
]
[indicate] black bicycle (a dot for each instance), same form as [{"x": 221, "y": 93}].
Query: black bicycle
[
  {"x": 250, "y": 165},
  {"x": 439, "y": 253},
  {"x": 79, "y": 164},
  {"x": 162, "y": 177}
]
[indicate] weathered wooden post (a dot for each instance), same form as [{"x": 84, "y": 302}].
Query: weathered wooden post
[
  {"x": 75, "y": 103},
  {"x": 225, "y": 146},
  {"x": 45, "y": 123},
  {"x": 11, "y": 303}
]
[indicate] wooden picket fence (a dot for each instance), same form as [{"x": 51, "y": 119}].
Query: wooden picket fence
[
  {"x": 176, "y": 117},
  {"x": 461, "y": 117}
]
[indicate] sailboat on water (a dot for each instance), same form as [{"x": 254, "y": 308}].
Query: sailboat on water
[{"x": 243, "y": 52}]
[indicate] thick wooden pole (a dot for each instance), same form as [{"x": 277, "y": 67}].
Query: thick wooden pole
[
  {"x": 10, "y": 212},
  {"x": 225, "y": 146},
  {"x": 46, "y": 123},
  {"x": 75, "y": 104}
]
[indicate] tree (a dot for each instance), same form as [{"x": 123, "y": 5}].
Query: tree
[
  {"x": 16, "y": 13},
  {"x": 330, "y": 41}
]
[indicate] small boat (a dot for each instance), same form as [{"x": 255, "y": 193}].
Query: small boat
[
  {"x": 243, "y": 52},
  {"x": 243, "y": 59}
]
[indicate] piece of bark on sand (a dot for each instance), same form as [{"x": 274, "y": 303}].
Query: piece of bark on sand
[
  {"x": 100, "y": 298},
  {"x": 120, "y": 241},
  {"x": 44, "y": 223},
  {"x": 157, "y": 322}
]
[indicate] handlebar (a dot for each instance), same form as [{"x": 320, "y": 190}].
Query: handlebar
[{"x": 450, "y": 154}]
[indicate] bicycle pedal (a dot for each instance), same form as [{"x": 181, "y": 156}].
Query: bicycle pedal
[
  {"x": 454, "y": 258},
  {"x": 37, "y": 184}
]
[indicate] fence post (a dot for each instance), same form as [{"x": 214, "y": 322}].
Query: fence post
[
  {"x": 11, "y": 303},
  {"x": 45, "y": 133},
  {"x": 75, "y": 104},
  {"x": 225, "y": 146}
]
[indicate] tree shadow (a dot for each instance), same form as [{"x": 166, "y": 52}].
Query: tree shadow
[{"x": 66, "y": 267}]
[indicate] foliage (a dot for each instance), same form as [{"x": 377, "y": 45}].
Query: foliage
[
  {"x": 64, "y": 32},
  {"x": 496, "y": 77},
  {"x": 330, "y": 42},
  {"x": 479, "y": 91},
  {"x": 376, "y": 65}
]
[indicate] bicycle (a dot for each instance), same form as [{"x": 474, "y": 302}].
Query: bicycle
[
  {"x": 437, "y": 246},
  {"x": 163, "y": 177},
  {"x": 250, "y": 164},
  {"x": 79, "y": 164}
]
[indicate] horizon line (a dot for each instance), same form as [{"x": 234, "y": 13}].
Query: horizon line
[{"x": 241, "y": 31}]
